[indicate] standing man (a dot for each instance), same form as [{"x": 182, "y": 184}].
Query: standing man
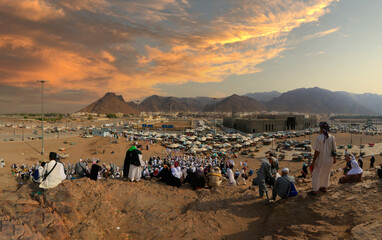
[
  {"x": 128, "y": 160},
  {"x": 264, "y": 175},
  {"x": 324, "y": 158},
  {"x": 372, "y": 161},
  {"x": 135, "y": 171}
]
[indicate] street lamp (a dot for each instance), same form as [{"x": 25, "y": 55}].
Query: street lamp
[{"x": 42, "y": 112}]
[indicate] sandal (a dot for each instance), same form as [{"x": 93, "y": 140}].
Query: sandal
[{"x": 323, "y": 190}]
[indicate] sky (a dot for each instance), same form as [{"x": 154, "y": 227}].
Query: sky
[{"x": 183, "y": 48}]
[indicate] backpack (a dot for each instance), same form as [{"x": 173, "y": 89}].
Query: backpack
[
  {"x": 292, "y": 191},
  {"x": 36, "y": 174}
]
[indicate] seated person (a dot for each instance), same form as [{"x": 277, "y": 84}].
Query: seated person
[
  {"x": 237, "y": 174},
  {"x": 379, "y": 171},
  {"x": 250, "y": 173},
  {"x": 354, "y": 174},
  {"x": 199, "y": 180},
  {"x": 348, "y": 165},
  {"x": 214, "y": 178},
  {"x": 167, "y": 177},
  {"x": 304, "y": 171},
  {"x": 37, "y": 173},
  {"x": 282, "y": 185},
  {"x": 53, "y": 172},
  {"x": 189, "y": 176}
]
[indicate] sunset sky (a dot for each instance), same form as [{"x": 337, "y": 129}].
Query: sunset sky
[{"x": 183, "y": 48}]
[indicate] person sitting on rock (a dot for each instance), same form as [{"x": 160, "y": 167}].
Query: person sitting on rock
[
  {"x": 282, "y": 184},
  {"x": 244, "y": 175},
  {"x": 53, "y": 172},
  {"x": 379, "y": 171},
  {"x": 80, "y": 169},
  {"x": 166, "y": 176},
  {"x": 37, "y": 174},
  {"x": 250, "y": 173},
  {"x": 355, "y": 173},
  {"x": 304, "y": 171},
  {"x": 214, "y": 178}
]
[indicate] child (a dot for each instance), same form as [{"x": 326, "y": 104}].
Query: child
[
  {"x": 237, "y": 174},
  {"x": 244, "y": 175}
]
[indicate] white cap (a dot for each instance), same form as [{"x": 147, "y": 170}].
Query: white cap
[{"x": 285, "y": 170}]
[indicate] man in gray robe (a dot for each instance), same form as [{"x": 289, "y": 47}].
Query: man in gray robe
[{"x": 263, "y": 173}]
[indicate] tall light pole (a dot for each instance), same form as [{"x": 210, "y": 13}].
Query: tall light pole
[
  {"x": 139, "y": 114},
  {"x": 42, "y": 113}
]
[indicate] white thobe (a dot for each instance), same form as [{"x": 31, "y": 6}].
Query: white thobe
[
  {"x": 135, "y": 172},
  {"x": 231, "y": 178},
  {"x": 324, "y": 162},
  {"x": 55, "y": 177}
]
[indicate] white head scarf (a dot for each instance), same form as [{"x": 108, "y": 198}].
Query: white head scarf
[{"x": 355, "y": 169}]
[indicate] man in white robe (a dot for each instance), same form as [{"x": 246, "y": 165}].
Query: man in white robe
[
  {"x": 56, "y": 175},
  {"x": 135, "y": 171},
  {"x": 231, "y": 179},
  {"x": 324, "y": 151}
]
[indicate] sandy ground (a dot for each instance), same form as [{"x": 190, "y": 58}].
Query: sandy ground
[{"x": 115, "y": 209}]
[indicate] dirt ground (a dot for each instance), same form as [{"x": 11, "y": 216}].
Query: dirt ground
[{"x": 114, "y": 209}]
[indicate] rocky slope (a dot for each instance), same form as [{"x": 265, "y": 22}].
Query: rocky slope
[
  {"x": 110, "y": 103},
  {"x": 114, "y": 209},
  {"x": 317, "y": 100},
  {"x": 236, "y": 103}
]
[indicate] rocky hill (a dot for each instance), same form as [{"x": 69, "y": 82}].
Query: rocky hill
[
  {"x": 157, "y": 103},
  {"x": 236, "y": 103},
  {"x": 371, "y": 101},
  {"x": 110, "y": 103},
  {"x": 114, "y": 209},
  {"x": 263, "y": 97},
  {"x": 304, "y": 100},
  {"x": 317, "y": 100}
]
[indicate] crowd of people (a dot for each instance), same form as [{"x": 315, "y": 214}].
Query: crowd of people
[{"x": 201, "y": 171}]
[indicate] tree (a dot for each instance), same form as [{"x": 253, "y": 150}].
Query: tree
[{"x": 110, "y": 115}]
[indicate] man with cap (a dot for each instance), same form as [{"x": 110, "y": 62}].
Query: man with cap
[
  {"x": 282, "y": 185},
  {"x": 136, "y": 164},
  {"x": 53, "y": 172},
  {"x": 128, "y": 160},
  {"x": 324, "y": 158}
]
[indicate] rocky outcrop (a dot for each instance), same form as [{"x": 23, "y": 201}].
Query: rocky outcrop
[{"x": 115, "y": 209}]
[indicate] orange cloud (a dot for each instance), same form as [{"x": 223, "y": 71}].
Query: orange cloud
[
  {"x": 132, "y": 46},
  {"x": 33, "y": 10}
]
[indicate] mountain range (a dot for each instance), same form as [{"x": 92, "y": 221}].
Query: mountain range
[{"x": 303, "y": 100}]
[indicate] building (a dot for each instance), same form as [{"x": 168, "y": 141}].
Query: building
[
  {"x": 103, "y": 132},
  {"x": 271, "y": 123}
]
